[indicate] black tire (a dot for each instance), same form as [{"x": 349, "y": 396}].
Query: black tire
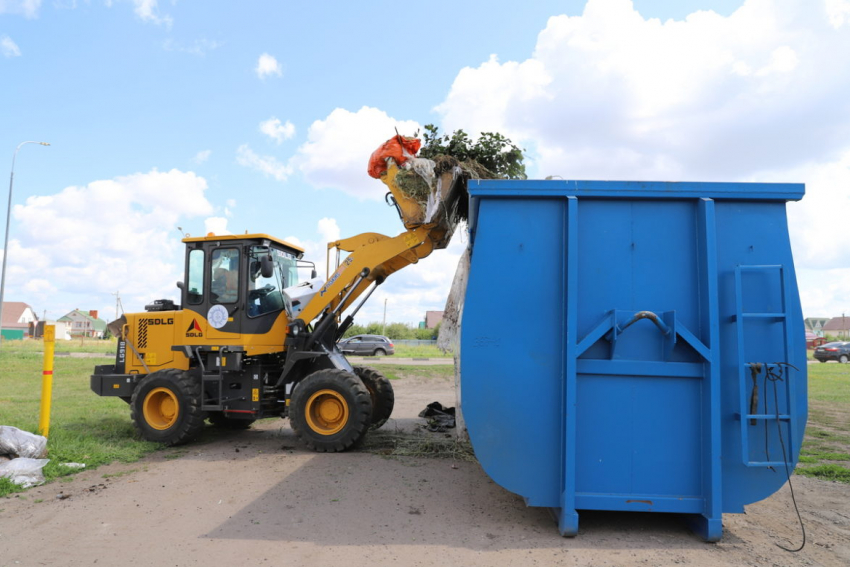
[
  {"x": 843, "y": 359},
  {"x": 381, "y": 392},
  {"x": 166, "y": 407},
  {"x": 821, "y": 361},
  {"x": 379, "y": 352},
  {"x": 219, "y": 419},
  {"x": 330, "y": 410}
]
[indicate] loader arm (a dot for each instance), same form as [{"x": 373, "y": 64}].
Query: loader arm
[
  {"x": 373, "y": 257},
  {"x": 378, "y": 255}
]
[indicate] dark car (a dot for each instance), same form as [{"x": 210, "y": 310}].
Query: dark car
[
  {"x": 367, "y": 345},
  {"x": 833, "y": 351}
]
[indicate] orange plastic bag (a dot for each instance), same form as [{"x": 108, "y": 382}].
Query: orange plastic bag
[{"x": 400, "y": 148}]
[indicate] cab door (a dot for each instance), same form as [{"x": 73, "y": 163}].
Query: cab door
[{"x": 226, "y": 293}]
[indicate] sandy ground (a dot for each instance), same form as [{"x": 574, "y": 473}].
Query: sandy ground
[{"x": 256, "y": 497}]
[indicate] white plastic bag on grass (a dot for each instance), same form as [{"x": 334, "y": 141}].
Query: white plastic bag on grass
[
  {"x": 24, "y": 472},
  {"x": 18, "y": 443}
]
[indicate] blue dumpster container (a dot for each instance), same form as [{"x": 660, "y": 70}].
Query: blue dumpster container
[{"x": 633, "y": 345}]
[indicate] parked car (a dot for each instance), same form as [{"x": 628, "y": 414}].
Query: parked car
[
  {"x": 368, "y": 345},
  {"x": 833, "y": 351}
]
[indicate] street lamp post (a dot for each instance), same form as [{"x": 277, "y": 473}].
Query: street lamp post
[{"x": 6, "y": 240}]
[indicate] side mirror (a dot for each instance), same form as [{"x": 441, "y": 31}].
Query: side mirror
[
  {"x": 181, "y": 285},
  {"x": 313, "y": 274},
  {"x": 266, "y": 266}
]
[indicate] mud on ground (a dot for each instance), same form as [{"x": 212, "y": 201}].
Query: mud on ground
[{"x": 256, "y": 497}]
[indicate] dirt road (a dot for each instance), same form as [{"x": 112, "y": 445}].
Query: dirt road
[{"x": 258, "y": 498}]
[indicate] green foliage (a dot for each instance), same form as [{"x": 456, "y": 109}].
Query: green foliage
[
  {"x": 492, "y": 150},
  {"x": 396, "y": 331}
]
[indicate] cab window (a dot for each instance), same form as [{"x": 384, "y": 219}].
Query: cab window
[
  {"x": 264, "y": 293},
  {"x": 195, "y": 291},
  {"x": 224, "y": 275}
]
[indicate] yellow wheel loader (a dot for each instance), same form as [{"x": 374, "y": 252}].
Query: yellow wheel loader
[{"x": 249, "y": 340}]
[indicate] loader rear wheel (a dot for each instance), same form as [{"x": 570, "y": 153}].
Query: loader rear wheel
[
  {"x": 330, "y": 410},
  {"x": 219, "y": 419},
  {"x": 166, "y": 407},
  {"x": 381, "y": 392}
]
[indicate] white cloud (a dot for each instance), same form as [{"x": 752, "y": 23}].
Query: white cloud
[
  {"x": 26, "y": 8},
  {"x": 328, "y": 229},
  {"x": 274, "y": 129},
  {"x": 148, "y": 12},
  {"x": 216, "y": 225},
  {"x": 267, "y": 66},
  {"x": 269, "y": 165},
  {"x": 202, "y": 156},
  {"x": 116, "y": 234},
  {"x": 338, "y": 148},
  {"x": 838, "y": 12},
  {"x": 8, "y": 47},
  {"x": 316, "y": 250},
  {"x": 610, "y": 94},
  {"x": 760, "y": 95},
  {"x": 819, "y": 217}
]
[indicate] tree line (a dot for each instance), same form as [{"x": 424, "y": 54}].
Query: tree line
[{"x": 398, "y": 331}]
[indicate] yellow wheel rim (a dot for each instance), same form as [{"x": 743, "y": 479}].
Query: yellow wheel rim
[
  {"x": 326, "y": 412},
  {"x": 161, "y": 408}
]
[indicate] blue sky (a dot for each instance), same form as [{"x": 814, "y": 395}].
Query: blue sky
[{"x": 260, "y": 116}]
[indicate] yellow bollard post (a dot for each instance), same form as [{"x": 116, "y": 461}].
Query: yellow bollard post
[{"x": 47, "y": 379}]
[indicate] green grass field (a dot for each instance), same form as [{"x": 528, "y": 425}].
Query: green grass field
[
  {"x": 83, "y": 429},
  {"x": 35, "y": 346},
  {"x": 405, "y": 351},
  {"x": 89, "y": 429}
]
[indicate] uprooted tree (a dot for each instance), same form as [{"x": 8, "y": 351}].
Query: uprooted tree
[{"x": 500, "y": 157}]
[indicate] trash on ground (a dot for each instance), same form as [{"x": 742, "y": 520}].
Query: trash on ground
[
  {"x": 19, "y": 456},
  {"x": 439, "y": 418},
  {"x": 24, "y": 471},
  {"x": 19, "y": 443}
]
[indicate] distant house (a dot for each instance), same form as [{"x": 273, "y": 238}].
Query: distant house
[
  {"x": 84, "y": 324},
  {"x": 61, "y": 329},
  {"x": 815, "y": 324},
  {"x": 433, "y": 318},
  {"x": 838, "y": 327},
  {"x": 18, "y": 320}
]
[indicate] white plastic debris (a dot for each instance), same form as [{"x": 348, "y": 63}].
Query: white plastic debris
[
  {"x": 449, "y": 339},
  {"x": 24, "y": 471},
  {"x": 17, "y": 443}
]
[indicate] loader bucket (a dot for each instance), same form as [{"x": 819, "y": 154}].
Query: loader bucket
[{"x": 445, "y": 207}]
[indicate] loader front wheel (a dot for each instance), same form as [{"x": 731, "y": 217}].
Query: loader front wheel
[
  {"x": 166, "y": 407},
  {"x": 330, "y": 410},
  {"x": 381, "y": 392}
]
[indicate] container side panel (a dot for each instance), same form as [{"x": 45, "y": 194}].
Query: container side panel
[
  {"x": 639, "y": 256},
  {"x": 753, "y": 241},
  {"x": 639, "y": 436},
  {"x": 512, "y": 367}
]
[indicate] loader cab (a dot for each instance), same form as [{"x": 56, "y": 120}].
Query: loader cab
[{"x": 235, "y": 283}]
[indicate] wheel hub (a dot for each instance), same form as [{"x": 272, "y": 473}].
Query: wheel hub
[
  {"x": 160, "y": 408},
  {"x": 327, "y": 412}
]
